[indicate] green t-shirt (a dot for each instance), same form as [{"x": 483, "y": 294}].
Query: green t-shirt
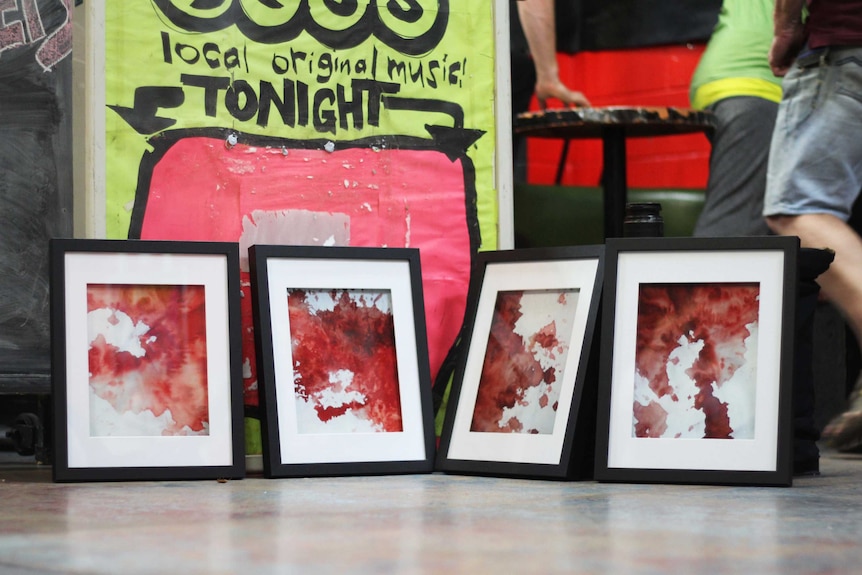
[{"x": 735, "y": 62}]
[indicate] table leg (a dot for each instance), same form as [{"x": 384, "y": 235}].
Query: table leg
[
  {"x": 614, "y": 180},
  {"x": 561, "y": 165}
]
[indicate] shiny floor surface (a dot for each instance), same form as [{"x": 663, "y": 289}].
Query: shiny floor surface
[{"x": 429, "y": 524}]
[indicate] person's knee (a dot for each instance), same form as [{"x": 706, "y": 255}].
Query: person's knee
[{"x": 780, "y": 225}]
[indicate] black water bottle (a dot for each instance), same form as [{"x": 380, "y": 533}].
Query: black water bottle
[{"x": 643, "y": 220}]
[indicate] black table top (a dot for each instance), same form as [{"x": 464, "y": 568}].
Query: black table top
[{"x": 636, "y": 121}]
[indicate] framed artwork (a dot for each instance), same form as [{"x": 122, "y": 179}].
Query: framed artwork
[
  {"x": 696, "y": 371},
  {"x": 518, "y": 401},
  {"x": 146, "y": 360},
  {"x": 345, "y": 386}
]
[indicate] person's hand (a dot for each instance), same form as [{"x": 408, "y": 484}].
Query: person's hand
[
  {"x": 557, "y": 90},
  {"x": 786, "y": 44}
]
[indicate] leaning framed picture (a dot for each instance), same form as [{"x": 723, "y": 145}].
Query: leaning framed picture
[
  {"x": 697, "y": 359},
  {"x": 146, "y": 360},
  {"x": 519, "y": 401},
  {"x": 343, "y": 367}
]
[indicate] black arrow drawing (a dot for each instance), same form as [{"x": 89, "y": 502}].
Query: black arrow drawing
[
  {"x": 453, "y": 141},
  {"x": 142, "y": 116}
]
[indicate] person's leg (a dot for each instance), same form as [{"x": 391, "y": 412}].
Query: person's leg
[
  {"x": 814, "y": 176},
  {"x": 815, "y": 170},
  {"x": 842, "y": 282},
  {"x": 737, "y": 168}
]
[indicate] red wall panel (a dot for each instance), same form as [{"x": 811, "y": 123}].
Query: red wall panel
[{"x": 656, "y": 76}]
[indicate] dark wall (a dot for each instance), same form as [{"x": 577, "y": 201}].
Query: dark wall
[
  {"x": 35, "y": 182},
  {"x": 612, "y": 24}
]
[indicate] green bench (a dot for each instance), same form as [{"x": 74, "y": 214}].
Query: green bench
[{"x": 547, "y": 216}]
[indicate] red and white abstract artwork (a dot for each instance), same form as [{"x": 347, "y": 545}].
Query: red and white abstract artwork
[
  {"x": 147, "y": 360},
  {"x": 524, "y": 362},
  {"x": 696, "y": 361},
  {"x": 344, "y": 361}
]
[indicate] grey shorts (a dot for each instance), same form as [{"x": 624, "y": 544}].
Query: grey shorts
[{"x": 815, "y": 163}]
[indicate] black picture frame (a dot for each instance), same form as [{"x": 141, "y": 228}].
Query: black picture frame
[
  {"x": 345, "y": 385},
  {"x": 697, "y": 361},
  {"x": 146, "y": 361},
  {"x": 522, "y": 398}
]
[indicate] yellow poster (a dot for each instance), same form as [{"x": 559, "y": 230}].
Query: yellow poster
[{"x": 312, "y": 122}]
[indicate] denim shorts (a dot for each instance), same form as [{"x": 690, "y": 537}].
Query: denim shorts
[{"x": 815, "y": 162}]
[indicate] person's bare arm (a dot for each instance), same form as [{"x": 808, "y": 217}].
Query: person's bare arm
[
  {"x": 789, "y": 35},
  {"x": 537, "y": 20}
]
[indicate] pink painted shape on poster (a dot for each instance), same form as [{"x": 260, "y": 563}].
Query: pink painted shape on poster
[{"x": 203, "y": 190}]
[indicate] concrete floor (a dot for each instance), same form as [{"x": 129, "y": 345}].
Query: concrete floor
[{"x": 429, "y": 524}]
